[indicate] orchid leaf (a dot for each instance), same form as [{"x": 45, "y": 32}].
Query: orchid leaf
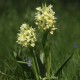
[{"x": 63, "y": 65}]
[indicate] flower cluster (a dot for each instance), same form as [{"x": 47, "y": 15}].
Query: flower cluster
[
  {"x": 27, "y": 36},
  {"x": 45, "y": 18}
]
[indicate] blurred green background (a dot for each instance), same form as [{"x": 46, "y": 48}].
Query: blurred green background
[{"x": 67, "y": 37}]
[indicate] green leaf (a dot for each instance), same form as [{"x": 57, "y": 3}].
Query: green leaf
[
  {"x": 42, "y": 57},
  {"x": 51, "y": 78},
  {"x": 62, "y": 66},
  {"x": 15, "y": 54},
  {"x": 44, "y": 38},
  {"x": 22, "y": 62}
]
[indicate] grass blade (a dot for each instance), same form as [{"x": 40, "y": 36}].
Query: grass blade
[{"x": 62, "y": 66}]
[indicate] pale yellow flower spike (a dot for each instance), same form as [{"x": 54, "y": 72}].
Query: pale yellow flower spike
[
  {"x": 26, "y": 36},
  {"x": 45, "y": 18}
]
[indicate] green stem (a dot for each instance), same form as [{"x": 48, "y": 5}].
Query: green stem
[
  {"x": 49, "y": 66},
  {"x": 36, "y": 62},
  {"x": 48, "y": 62}
]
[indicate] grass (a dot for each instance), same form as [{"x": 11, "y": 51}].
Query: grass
[{"x": 64, "y": 39}]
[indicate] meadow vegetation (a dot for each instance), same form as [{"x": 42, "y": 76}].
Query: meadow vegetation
[{"x": 64, "y": 42}]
